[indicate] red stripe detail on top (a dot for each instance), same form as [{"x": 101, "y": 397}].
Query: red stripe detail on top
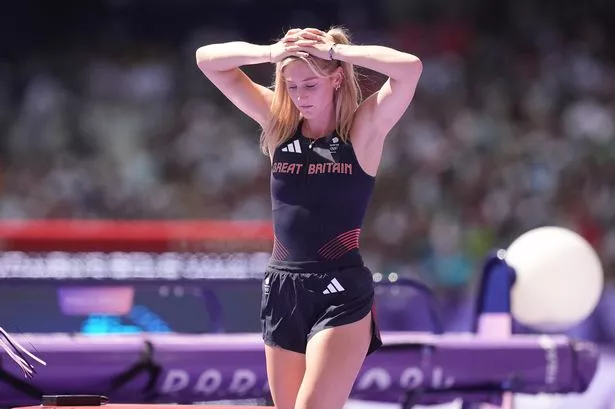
[
  {"x": 337, "y": 247},
  {"x": 279, "y": 251}
]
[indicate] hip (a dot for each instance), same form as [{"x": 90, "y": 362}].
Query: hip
[{"x": 333, "y": 285}]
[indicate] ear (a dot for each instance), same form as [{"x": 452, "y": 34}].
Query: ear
[{"x": 338, "y": 77}]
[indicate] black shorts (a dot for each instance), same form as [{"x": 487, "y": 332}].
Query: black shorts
[{"x": 295, "y": 306}]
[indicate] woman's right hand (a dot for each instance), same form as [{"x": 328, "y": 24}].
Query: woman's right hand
[{"x": 286, "y": 46}]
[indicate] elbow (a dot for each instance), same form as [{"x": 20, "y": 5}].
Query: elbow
[
  {"x": 408, "y": 70},
  {"x": 202, "y": 57},
  {"x": 412, "y": 70},
  {"x": 208, "y": 57},
  {"x": 415, "y": 66}
]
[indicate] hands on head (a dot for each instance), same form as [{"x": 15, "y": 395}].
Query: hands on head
[{"x": 302, "y": 42}]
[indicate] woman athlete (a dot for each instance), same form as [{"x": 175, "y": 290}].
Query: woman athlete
[{"x": 325, "y": 145}]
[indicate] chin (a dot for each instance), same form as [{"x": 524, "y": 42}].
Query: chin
[{"x": 308, "y": 114}]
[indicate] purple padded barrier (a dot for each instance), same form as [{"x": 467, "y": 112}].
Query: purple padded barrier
[{"x": 188, "y": 368}]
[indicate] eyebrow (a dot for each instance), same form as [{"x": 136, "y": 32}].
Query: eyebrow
[{"x": 305, "y": 80}]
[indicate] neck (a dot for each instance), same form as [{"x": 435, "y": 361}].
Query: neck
[{"x": 317, "y": 128}]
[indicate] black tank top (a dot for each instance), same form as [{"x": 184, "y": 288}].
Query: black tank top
[{"x": 319, "y": 195}]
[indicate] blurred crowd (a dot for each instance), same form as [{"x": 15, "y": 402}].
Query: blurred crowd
[{"x": 506, "y": 132}]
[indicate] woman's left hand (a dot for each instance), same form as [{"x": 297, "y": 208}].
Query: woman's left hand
[{"x": 315, "y": 42}]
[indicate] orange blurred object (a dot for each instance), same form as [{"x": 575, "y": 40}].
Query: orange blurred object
[{"x": 135, "y": 235}]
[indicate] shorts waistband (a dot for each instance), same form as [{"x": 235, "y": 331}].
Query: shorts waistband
[{"x": 316, "y": 266}]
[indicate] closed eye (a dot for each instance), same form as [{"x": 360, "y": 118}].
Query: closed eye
[{"x": 294, "y": 87}]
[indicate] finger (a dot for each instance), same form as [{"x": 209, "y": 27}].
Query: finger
[
  {"x": 306, "y": 43},
  {"x": 315, "y": 31},
  {"x": 291, "y": 33},
  {"x": 307, "y": 33},
  {"x": 298, "y": 52},
  {"x": 311, "y": 36},
  {"x": 290, "y": 39}
]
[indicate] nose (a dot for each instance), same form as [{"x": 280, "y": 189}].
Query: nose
[{"x": 301, "y": 96}]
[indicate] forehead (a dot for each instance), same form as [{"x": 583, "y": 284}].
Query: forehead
[{"x": 297, "y": 71}]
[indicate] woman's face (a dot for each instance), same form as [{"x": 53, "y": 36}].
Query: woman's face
[{"x": 311, "y": 94}]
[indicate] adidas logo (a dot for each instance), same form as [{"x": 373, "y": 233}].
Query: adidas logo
[
  {"x": 333, "y": 287},
  {"x": 294, "y": 147}
]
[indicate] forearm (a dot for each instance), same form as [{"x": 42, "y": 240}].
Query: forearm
[
  {"x": 387, "y": 61},
  {"x": 226, "y": 56}
]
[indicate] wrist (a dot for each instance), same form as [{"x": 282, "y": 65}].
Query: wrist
[
  {"x": 332, "y": 51},
  {"x": 336, "y": 51}
]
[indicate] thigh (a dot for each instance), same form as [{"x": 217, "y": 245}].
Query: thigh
[
  {"x": 348, "y": 298},
  {"x": 285, "y": 370},
  {"x": 334, "y": 358}
]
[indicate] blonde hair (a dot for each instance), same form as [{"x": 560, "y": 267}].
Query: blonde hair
[{"x": 285, "y": 117}]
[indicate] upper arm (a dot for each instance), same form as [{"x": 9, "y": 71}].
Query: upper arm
[
  {"x": 251, "y": 98},
  {"x": 383, "y": 109}
]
